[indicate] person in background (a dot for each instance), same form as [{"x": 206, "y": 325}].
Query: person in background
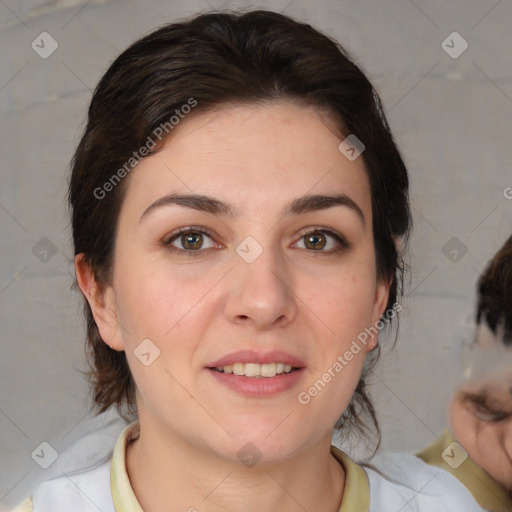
[{"x": 477, "y": 448}]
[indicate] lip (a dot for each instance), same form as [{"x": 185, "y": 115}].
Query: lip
[
  {"x": 251, "y": 356},
  {"x": 258, "y": 387}
]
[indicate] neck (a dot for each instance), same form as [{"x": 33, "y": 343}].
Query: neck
[{"x": 168, "y": 474}]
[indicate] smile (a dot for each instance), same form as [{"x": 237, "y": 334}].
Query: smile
[{"x": 257, "y": 370}]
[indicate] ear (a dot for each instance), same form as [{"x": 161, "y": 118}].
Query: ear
[
  {"x": 379, "y": 307},
  {"x": 101, "y": 299}
]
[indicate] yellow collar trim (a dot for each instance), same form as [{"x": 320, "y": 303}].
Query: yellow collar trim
[
  {"x": 122, "y": 493},
  {"x": 486, "y": 491},
  {"x": 356, "y": 495}
]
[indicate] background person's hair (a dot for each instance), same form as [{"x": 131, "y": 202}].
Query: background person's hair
[
  {"x": 495, "y": 293},
  {"x": 256, "y": 57}
]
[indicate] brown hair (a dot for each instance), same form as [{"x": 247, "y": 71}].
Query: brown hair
[
  {"x": 215, "y": 59},
  {"x": 495, "y": 293}
]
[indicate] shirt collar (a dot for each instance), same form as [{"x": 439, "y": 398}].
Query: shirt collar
[
  {"x": 122, "y": 492},
  {"x": 486, "y": 491},
  {"x": 356, "y": 494}
]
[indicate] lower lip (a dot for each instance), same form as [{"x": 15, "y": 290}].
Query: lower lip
[{"x": 259, "y": 386}]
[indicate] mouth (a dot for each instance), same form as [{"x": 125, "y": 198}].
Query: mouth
[
  {"x": 257, "y": 374},
  {"x": 255, "y": 370}
]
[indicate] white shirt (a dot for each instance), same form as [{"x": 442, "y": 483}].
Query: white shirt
[{"x": 409, "y": 485}]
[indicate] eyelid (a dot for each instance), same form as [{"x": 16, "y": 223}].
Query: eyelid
[
  {"x": 481, "y": 409},
  {"x": 174, "y": 235},
  {"x": 186, "y": 229},
  {"x": 340, "y": 239}
]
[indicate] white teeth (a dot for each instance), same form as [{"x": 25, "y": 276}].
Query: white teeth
[
  {"x": 268, "y": 370},
  {"x": 257, "y": 370},
  {"x": 239, "y": 369},
  {"x": 252, "y": 370}
]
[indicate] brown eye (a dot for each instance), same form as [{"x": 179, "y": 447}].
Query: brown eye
[
  {"x": 315, "y": 241},
  {"x": 323, "y": 241},
  {"x": 190, "y": 241}
]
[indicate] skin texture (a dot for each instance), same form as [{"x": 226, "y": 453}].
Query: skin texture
[
  {"x": 307, "y": 302},
  {"x": 481, "y": 414}
]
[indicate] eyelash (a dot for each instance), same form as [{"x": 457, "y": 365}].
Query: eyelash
[
  {"x": 340, "y": 239},
  {"x": 493, "y": 416}
]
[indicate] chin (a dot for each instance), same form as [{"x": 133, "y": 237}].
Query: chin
[
  {"x": 507, "y": 484},
  {"x": 259, "y": 447}
]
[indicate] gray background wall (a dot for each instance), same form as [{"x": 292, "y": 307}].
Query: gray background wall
[{"x": 451, "y": 117}]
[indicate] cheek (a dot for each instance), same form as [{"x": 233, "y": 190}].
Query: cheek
[
  {"x": 154, "y": 302},
  {"x": 145, "y": 306},
  {"x": 464, "y": 424},
  {"x": 490, "y": 451},
  {"x": 480, "y": 439},
  {"x": 345, "y": 303},
  {"x": 345, "y": 306}
]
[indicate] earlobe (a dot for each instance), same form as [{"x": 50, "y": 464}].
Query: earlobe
[
  {"x": 102, "y": 303},
  {"x": 381, "y": 300},
  {"x": 382, "y": 296}
]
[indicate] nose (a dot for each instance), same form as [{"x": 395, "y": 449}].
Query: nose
[{"x": 260, "y": 292}]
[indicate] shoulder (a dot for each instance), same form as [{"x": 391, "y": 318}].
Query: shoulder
[
  {"x": 84, "y": 491},
  {"x": 26, "y": 506},
  {"x": 80, "y": 474},
  {"x": 88, "y": 488},
  {"x": 405, "y": 480},
  {"x": 488, "y": 492}
]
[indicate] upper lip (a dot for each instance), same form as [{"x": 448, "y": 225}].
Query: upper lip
[{"x": 251, "y": 356}]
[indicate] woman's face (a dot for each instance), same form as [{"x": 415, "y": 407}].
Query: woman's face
[{"x": 230, "y": 250}]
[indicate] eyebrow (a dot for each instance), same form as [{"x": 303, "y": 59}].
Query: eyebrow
[
  {"x": 300, "y": 205},
  {"x": 482, "y": 398}
]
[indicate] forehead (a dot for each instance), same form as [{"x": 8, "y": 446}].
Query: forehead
[
  {"x": 494, "y": 386},
  {"x": 255, "y": 155}
]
